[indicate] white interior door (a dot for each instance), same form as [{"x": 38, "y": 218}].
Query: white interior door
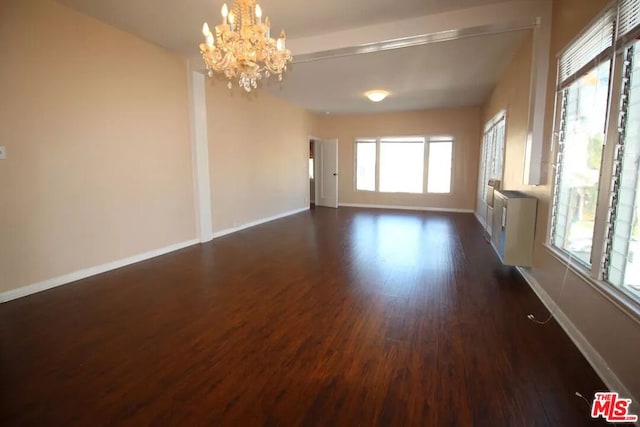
[{"x": 326, "y": 161}]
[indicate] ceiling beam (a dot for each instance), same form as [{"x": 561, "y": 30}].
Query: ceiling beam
[
  {"x": 414, "y": 41},
  {"x": 512, "y": 14}
]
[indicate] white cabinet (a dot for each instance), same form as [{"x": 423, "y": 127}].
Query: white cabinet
[{"x": 513, "y": 227}]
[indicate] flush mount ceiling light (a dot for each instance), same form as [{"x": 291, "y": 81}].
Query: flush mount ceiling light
[
  {"x": 376, "y": 95},
  {"x": 241, "y": 46}
]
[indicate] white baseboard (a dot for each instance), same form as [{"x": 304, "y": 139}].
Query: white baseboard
[
  {"x": 257, "y": 222},
  {"x": 594, "y": 358},
  {"x": 481, "y": 220},
  {"x": 483, "y": 223},
  {"x": 407, "y": 208},
  {"x": 91, "y": 271}
]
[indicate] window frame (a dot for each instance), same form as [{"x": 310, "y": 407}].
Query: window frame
[
  {"x": 483, "y": 175},
  {"x": 365, "y": 140},
  {"x": 427, "y": 141},
  {"x": 603, "y": 184},
  {"x": 594, "y": 274},
  {"x": 437, "y": 139},
  {"x": 608, "y": 204}
]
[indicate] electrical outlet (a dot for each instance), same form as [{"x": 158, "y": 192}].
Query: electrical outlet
[{"x": 3, "y": 152}]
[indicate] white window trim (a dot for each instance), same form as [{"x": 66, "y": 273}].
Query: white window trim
[
  {"x": 502, "y": 114},
  {"x": 355, "y": 162}
]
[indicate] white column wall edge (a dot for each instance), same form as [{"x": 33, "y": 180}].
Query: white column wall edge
[
  {"x": 533, "y": 173},
  {"x": 200, "y": 154}
]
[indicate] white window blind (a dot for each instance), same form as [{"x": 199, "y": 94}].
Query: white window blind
[
  {"x": 628, "y": 21},
  {"x": 588, "y": 49}
]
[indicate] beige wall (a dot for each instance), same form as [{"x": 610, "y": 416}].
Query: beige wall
[
  {"x": 512, "y": 94},
  {"x": 462, "y": 123},
  {"x": 612, "y": 332},
  {"x": 258, "y": 154},
  {"x": 96, "y": 126}
]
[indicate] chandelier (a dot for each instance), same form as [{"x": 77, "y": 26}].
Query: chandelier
[{"x": 241, "y": 47}]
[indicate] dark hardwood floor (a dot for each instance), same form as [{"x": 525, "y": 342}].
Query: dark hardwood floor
[{"x": 341, "y": 317}]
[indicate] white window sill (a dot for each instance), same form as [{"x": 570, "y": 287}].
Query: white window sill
[
  {"x": 405, "y": 193},
  {"x": 618, "y": 298}
]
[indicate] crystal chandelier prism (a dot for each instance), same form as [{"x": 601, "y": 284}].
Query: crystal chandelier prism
[{"x": 241, "y": 47}]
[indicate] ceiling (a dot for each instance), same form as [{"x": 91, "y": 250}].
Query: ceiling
[
  {"x": 434, "y": 75},
  {"x": 419, "y": 77}
]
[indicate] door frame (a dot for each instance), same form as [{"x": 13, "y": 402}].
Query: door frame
[{"x": 316, "y": 166}]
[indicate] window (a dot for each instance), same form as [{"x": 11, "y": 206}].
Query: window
[
  {"x": 401, "y": 165},
  {"x": 584, "y": 109},
  {"x": 491, "y": 157},
  {"x": 404, "y": 164},
  {"x": 624, "y": 248},
  {"x": 596, "y": 193},
  {"x": 366, "y": 165},
  {"x": 491, "y": 164},
  {"x": 440, "y": 155}
]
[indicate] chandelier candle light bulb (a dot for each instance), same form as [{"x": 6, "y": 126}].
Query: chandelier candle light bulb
[
  {"x": 225, "y": 13},
  {"x": 242, "y": 48},
  {"x": 259, "y": 14},
  {"x": 232, "y": 20},
  {"x": 281, "y": 41}
]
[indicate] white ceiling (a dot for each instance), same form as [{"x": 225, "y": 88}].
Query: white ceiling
[
  {"x": 176, "y": 24},
  {"x": 435, "y": 75},
  {"x": 428, "y": 76}
]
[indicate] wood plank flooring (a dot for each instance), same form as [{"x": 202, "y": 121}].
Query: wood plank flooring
[{"x": 345, "y": 317}]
